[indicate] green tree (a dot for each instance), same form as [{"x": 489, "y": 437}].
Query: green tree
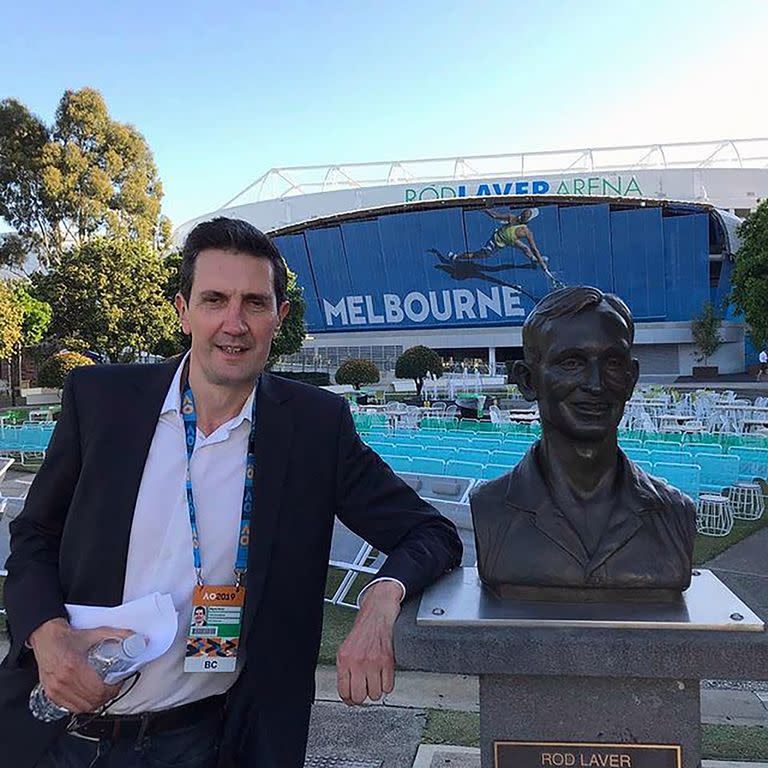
[
  {"x": 293, "y": 331},
  {"x": 11, "y": 320},
  {"x": 414, "y": 364},
  {"x": 83, "y": 176},
  {"x": 750, "y": 274},
  {"x": 37, "y": 315},
  {"x": 176, "y": 343},
  {"x": 357, "y": 372},
  {"x": 107, "y": 295},
  {"x": 705, "y": 329},
  {"x": 173, "y": 275}
]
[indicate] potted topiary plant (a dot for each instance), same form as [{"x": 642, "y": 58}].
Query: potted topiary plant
[
  {"x": 414, "y": 364},
  {"x": 705, "y": 329},
  {"x": 358, "y": 372}
]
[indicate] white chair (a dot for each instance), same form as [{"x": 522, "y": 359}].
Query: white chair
[
  {"x": 411, "y": 418},
  {"x": 354, "y": 556},
  {"x": 5, "y": 464}
]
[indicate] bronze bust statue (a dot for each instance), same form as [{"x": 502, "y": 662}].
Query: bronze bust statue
[{"x": 576, "y": 519}]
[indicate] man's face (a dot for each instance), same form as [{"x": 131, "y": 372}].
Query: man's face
[
  {"x": 199, "y": 616},
  {"x": 586, "y": 373},
  {"x": 232, "y": 315}
]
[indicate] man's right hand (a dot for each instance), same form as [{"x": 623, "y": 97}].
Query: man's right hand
[{"x": 67, "y": 677}]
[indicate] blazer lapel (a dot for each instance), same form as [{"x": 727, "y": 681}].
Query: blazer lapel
[
  {"x": 533, "y": 495},
  {"x": 274, "y": 433},
  {"x": 623, "y": 524},
  {"x": 554, "y": 525},
  {"x": 137, "y": 421},
  {"x": 637, "y": 496}
]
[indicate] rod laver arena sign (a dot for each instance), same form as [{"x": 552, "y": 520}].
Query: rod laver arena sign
[{"x": 601, "y": 186}]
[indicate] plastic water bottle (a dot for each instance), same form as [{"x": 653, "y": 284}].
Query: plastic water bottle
[{"x": 111, "y": 658}]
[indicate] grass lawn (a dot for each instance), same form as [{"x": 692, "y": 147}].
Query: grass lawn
[
  {"x": 718, "y": 742},
  {"x": 707, "y": 547}
]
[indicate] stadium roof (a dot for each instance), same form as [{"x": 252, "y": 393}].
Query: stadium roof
[{"x": 289, "y": 181}]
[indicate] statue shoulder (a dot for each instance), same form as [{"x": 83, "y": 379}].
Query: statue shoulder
[
  {"x": 673, "y": 500},
  {"x": 491, "y": 491}
]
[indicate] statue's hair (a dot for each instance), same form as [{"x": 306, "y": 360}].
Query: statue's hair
[{"x": 568, "y": 302}]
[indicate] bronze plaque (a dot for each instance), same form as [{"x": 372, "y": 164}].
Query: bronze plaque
[{"x": 558, "y": 754}]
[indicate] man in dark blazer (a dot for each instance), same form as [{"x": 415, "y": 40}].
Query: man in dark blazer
[
  {"x": 576, "y": 515},
  {"x": 77, "y": 542}
]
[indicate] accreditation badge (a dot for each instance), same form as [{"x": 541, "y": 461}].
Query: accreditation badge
[{"x": 214, "y": 629}]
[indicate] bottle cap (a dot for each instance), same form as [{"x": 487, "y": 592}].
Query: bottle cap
[{"x": 134, "y": 645}]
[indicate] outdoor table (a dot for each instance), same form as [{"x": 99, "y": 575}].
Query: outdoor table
[
  {"x": 45, "y": 415},
  {"x": 523, "y": 416},
  {"x": 674, "y": 419}
]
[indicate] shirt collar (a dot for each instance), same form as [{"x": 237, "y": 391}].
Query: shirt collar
[{"x": 172, "y": 402}]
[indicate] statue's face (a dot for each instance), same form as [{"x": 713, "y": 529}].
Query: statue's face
[{"x": 586, "y": 373}]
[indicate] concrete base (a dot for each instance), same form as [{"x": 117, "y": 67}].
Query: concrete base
[
  {"x": 589, "y": 710},
  {"x": 586, "y": 684}
]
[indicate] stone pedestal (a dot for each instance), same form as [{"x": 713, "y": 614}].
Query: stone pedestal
[
  {"x": 575, "y": 683},
  {"x": 590, "y": 710}
]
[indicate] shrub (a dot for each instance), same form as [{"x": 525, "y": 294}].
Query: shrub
[
  {"x": 55, "y": 369},
  {"x": 357, "y": 372}
]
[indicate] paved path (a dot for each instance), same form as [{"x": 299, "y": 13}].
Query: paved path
[{"x": 425, "y": 690}]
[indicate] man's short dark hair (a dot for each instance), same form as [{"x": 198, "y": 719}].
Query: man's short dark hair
[
  {"x": 568, "y": 302},
  {"x": 233, "y": 235}
]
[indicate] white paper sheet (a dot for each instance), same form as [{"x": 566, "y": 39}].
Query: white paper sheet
[{"x": 153, "y": 616}]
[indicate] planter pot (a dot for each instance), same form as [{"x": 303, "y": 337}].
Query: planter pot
[{"x": 705, "y": 371}]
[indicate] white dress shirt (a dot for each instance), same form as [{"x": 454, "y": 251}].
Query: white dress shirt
[{"x": 160, "y": 548}]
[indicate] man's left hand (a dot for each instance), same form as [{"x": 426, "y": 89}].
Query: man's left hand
[{"x": 365, "y": 662}]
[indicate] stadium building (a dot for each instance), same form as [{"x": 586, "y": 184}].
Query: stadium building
[{"x": 454, "y": 252}]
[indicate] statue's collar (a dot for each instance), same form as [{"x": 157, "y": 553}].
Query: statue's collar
[{"x": 527, "y": 489}]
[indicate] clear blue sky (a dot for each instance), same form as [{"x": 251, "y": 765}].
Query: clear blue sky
[{"x": 225, "y": 91}]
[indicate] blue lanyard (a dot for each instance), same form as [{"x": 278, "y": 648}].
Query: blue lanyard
[{"x": 189, "y": 415}]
